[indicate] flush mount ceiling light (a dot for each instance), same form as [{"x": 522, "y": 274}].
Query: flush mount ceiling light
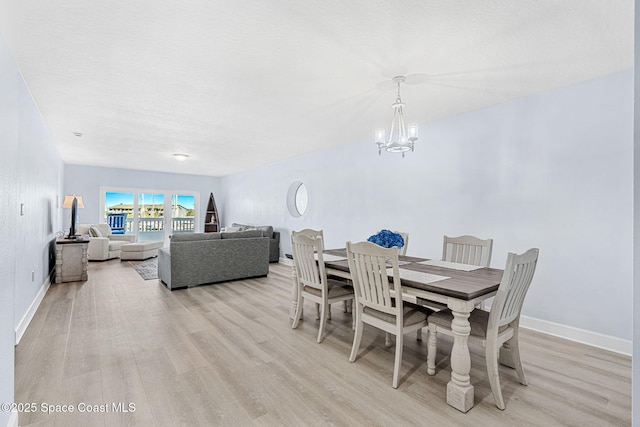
[
  {"x": 181, "y": 157},
  {"x": 399, "y": 140}
]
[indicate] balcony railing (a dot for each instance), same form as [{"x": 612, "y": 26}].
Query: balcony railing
[{"x": 155, "y": 226}]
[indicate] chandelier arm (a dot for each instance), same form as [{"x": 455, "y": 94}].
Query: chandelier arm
[{"x": 402, "y": 141}]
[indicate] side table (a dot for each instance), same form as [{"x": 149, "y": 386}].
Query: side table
[{"x": 71, "y": 260}]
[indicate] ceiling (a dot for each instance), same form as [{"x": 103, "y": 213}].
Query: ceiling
[{"x": 236, "y": 85}]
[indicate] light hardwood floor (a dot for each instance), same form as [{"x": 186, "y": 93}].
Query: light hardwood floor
[{"x": 225, "y": 355}]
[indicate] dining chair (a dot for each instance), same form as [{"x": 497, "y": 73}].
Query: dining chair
[
  {"x": 319, "y": 234},
  {"x": 405, "y": 237},
  {"x": 497, "y": 327},
  {"x": 467, "y": 250},
  {"x": 312, "y": 280},
  {"x": 374, "y": 302}
]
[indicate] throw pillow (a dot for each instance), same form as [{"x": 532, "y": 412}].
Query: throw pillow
[{"x": 95, "y": 231}]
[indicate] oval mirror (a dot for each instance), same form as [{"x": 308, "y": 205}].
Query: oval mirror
[{"x": 297, "y": 199}]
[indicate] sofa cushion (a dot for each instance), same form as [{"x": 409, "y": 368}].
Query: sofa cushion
[
  {"x": 242, "y": 234},
  {"x": 267, "y": 230},
  {"x": 185, "y": 237},
  {"x": 95, "y": 232},
  {"x": 100, "y": 230},
  {"x": 115, "y": 245},
  {"x": 83, "y": 229}
]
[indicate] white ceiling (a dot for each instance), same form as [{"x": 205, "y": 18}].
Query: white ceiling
[{"x": 245, "y": 83}]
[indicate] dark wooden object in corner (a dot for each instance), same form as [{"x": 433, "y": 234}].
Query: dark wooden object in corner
[{"x": 211, "y": 222}]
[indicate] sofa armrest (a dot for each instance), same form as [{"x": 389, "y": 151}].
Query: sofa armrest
[
  {"x": 274, "y": 247},
  {"x": 98, "y": 248},
  {"x": 130, "y": 238},
  {"x": 164, "y": 266}
]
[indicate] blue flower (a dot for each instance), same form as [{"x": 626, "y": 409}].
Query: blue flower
[{"x": 387, "y": 239}]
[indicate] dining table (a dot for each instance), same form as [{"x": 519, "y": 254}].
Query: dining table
[{"x": 460, "y": 287}]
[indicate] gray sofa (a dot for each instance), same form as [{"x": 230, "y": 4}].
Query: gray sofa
[
  {"x": 198, "y": 258},
  {"x": 267, "y": 230}
]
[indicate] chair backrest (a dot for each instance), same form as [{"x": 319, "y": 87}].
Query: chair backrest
[
  {"x": 319, "y": 234},
  {"x": 467, "y": 250},
  {"x": 368, "y": 266},
  {"x": 117, "y": 222},
  {"x": 405, "y": 237},
  {"x": 515, "y": 282},
  {"x": 304, "y": 250}
]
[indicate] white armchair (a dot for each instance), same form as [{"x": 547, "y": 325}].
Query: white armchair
[{"x": 103, "y": 245}]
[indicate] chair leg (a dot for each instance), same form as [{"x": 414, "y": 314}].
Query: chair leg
[
  {"x": 491, "y": 355},
  {"x": 298, "y": 315},
  {"x": 419, "y": 335},
  {"x": 432, "y": 349},
  {"x": 398, "y": 361},
  {"x": 387, "y": 339},
  {"x": 323, "y": 320},
  {"x": 517, "y": 363},
  {"x": 317, "y": 311},
  {"x": 357, "y": 337},
  {"x": 353, "y": 315}
]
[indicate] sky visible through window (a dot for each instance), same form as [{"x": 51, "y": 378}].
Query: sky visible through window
[{"x": 116, "y": 198}]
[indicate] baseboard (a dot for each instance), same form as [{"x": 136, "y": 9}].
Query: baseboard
[
  {"x": 13, "y": 420},
  {"x": 28, "y": 316},
  {"x": 594, "y": 339},
  {"x": 286, "y": 261}
]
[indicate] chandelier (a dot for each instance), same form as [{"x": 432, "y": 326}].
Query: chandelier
[{"x": 401, "y": 137}]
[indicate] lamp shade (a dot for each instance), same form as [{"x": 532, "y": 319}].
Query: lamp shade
[{"x": 68, "y": 201}]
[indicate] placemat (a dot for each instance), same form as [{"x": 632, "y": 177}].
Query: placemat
[
  {"x": 329, "y": 258},
  {"x": 451, "y": 265},
  {"x": 417, "y": 276}
]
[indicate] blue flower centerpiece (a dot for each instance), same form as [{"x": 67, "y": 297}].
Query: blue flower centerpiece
[{"x": 387, "y": 239}]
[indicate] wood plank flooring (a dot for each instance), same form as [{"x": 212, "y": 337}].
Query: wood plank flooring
[{"x": 225, "y": 354}]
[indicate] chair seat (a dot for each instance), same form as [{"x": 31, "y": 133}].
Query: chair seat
[
  {"x": 479, "y": 319},
  {"x": 410, "y": 316},
  {"x": 335, "y": 291}
]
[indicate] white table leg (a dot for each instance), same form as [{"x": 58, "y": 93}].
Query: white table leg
[{"x": 459, "y": 390}]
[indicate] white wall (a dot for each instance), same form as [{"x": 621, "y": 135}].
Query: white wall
[
  {"x": 8, "y": 220},
  {"x": 552, "y": 171},
  {"x": 636, "y": 224},
  {"x": 87, "y": 181},
  {"x": 30, "y": 175}
]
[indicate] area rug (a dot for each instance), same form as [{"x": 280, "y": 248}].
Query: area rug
[{"x": 147, "y": 269}]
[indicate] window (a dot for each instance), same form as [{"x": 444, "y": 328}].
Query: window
[{"x": 151, "y": 213}]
